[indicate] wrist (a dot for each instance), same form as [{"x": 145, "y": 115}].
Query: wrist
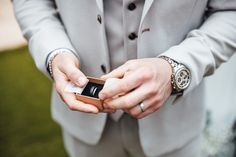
[
  {"x": 180, "y": 77},
  {"x": 51, "y": 57}
]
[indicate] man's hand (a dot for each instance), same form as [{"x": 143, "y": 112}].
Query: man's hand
[
  {"x": 143, "y": 80},
  {"x": 65, "y": 67}
]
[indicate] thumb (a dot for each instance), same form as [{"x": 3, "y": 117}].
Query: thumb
[{"x": 74, "y": 74}]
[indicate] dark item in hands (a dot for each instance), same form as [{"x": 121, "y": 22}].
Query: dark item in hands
[
  {"x": 90, "y": 93},
  {"x": 92, "y": 89}
]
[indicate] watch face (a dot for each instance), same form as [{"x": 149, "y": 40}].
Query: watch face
[{"x": 182, "y": 78}]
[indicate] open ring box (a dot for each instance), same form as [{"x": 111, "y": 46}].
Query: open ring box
[{"x": 89, "y": 93}]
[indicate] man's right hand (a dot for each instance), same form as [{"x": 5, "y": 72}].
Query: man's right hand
[{"x": 65, "y": 67}]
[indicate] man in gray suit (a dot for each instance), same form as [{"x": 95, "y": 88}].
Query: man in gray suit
[{"x": 169, "y": 46}]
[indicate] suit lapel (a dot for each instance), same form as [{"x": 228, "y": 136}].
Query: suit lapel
[
  {"x": 100, "y": 5},
  {"x": 146, "y": 7},
  {"x": 104, "y": 37}
]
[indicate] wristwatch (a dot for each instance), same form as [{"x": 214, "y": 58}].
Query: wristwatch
[{"x": 180, "y": 78}]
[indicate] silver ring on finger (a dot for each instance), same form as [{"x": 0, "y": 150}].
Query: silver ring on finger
[{"x": 141, "y": 106}]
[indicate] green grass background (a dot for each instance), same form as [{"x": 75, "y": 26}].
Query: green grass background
[{"x": 26, "y": 127}]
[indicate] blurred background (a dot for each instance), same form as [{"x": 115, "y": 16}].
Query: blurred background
[{"x": 26, "y": 128}]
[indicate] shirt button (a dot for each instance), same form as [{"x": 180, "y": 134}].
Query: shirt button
[
  {"x": 104, "y": 69},
  {"x": 99, "y": 19},
  {"x": 131, "y": 6},
  {"x": 132, "y": 36}
]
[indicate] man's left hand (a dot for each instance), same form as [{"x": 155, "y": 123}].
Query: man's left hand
[{"x": 146, "y": 81}]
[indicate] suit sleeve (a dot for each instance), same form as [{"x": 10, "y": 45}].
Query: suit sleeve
[
  {"x": 41, "y": 26},
  {"x": 204, "y": 49}
]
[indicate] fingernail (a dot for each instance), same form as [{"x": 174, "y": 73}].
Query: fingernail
[
  {"x": 92, "y": 112},
  {"x": 95, "y": 112},
  {"x": 82, "y": 81},
  {"x": 101, "y": 96}
]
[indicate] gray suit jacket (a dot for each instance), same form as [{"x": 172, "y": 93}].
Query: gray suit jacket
[{"x": 198, "y": 33}]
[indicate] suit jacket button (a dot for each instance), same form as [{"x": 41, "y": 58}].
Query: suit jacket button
[
  {"x": 99, "y": 19},
  {"x": 131, "y": 6},
  {"x": 104, "y": 69},
  {"x": 132, "y": 36}
]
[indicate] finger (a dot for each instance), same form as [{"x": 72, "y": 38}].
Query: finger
[
  {"x": 130, "y": 99},
  {"x": 117, "y": 73},
  {"x": 148, "y": 112},
  {"x": 76, "y": 105},
  {"x": 74, "y": 74},
  {"x": 125, "y": 85},
  {"x": 69, "y": 98},
  {"x": 136, "y": 110},
  {"x": 150, "y": 106},
  {"x": 154, "y": 101}
]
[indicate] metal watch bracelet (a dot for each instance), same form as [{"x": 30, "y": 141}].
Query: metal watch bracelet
[{"x": 180, "y": 77}]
